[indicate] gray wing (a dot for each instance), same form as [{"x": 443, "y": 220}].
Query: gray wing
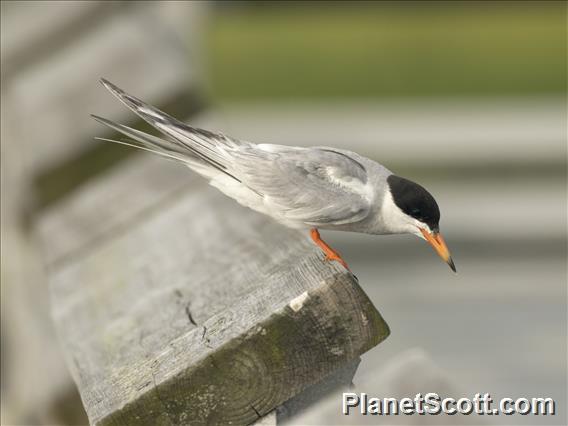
[{"x": 317, "y": 186}]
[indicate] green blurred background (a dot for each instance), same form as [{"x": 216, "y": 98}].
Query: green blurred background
[{"x": 291, "y": 52}]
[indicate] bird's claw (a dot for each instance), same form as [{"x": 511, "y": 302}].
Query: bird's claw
[{"x": 330, "y": 257}]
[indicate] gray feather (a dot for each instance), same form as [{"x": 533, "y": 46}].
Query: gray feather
[
  {"x": 201, "y": 142},
  {"x": 145, "y": 141},
  {"x": 197, "y": 143},
  {"x": 317, "y": 186}
]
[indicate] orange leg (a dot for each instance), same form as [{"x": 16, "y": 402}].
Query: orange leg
[{"x": 330, "y": 254}]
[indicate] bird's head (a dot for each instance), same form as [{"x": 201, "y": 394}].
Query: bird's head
[{"x": 409, "y": 208}]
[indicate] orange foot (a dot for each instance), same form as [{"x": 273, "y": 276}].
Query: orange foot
[{"x": 330, "y": 254}]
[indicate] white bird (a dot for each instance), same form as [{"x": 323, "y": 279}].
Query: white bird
[{"x": 308, "y": 188}]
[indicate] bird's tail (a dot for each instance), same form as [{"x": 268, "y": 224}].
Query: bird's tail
[{"x": 197, "y": 148}]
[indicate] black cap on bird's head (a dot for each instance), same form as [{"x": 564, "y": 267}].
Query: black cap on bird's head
[{"x": 415, "y": 201}]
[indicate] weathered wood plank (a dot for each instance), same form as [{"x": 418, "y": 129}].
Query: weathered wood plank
[
  {"x": 110, "y": 204},
  {"x": 58, "y": 87},
  {"x": 341, "y": 379},
  {"x": 205, "y": 312}
]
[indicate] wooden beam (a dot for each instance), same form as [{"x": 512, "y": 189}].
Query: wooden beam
[
  {"x": 341, "y": 379},
  {"x": 201, "y": 311}
]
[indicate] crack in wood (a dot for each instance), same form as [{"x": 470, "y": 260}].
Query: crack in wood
[
  {"x": 189, "y": 315},
  {"x": 145, "y": 384}
]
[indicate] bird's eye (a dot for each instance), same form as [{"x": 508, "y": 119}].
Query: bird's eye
[{"x": 415, "y": 211}]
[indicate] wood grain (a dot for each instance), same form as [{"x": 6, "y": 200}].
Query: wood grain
[{"x": 110, "y": 204}]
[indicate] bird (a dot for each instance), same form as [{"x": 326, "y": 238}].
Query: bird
[{"x": 308, "y": 188}]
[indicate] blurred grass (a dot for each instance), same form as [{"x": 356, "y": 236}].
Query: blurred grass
[{"x": 284, "y": 51}]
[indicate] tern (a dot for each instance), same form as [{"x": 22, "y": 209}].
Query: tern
[{"x": 303, "y": 188}]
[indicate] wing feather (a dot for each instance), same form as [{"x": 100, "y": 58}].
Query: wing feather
[{"x": 316, "y": 186}]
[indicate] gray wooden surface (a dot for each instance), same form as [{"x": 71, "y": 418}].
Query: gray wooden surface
[
  {"x": 340, "y": 380},
  {"x": 51, "y": 74},
  {"x": 197, "y": 310},
  {"x": 138, "y": 185}
]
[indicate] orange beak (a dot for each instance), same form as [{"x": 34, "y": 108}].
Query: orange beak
[{"x": 438, "y": 243}]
